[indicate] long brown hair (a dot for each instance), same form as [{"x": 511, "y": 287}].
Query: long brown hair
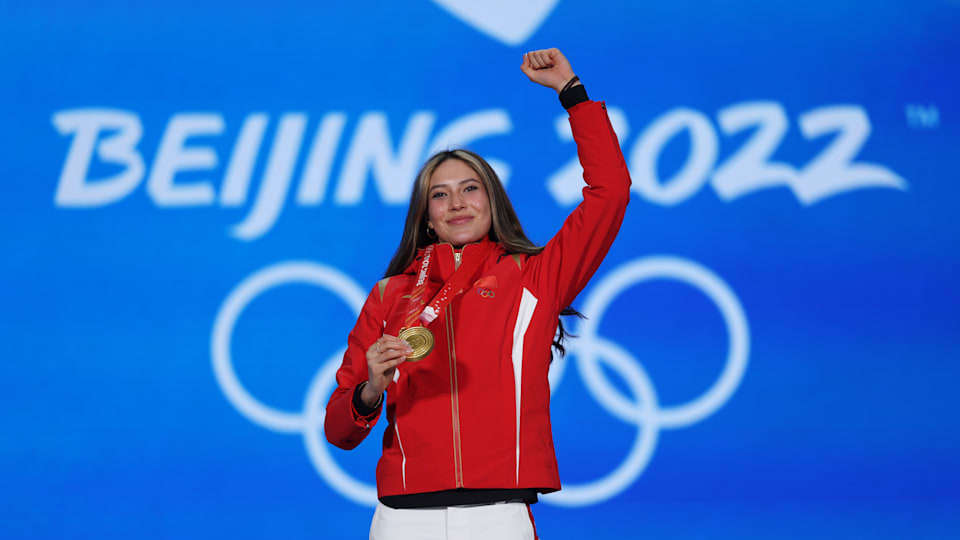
[{"x": 505, "y": 226}]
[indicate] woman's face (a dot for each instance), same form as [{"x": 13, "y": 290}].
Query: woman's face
[{"x": 458, "y": 207}]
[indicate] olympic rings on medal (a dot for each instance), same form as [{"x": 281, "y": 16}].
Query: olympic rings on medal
[{"x": 590, "y": 350}]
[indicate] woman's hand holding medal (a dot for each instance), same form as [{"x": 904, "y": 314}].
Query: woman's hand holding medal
[{"x": 383, "y": 357}]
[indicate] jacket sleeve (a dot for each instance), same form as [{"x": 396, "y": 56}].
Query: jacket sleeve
[
  {"x": 572, "y": 256},
  {"x": 343, "y": 425}
]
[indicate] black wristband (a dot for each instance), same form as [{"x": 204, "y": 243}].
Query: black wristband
[
  {"x": 573, "y": 95},
  {"x": 360, "y": 406}
]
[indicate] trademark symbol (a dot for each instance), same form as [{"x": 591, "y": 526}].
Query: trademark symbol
[{"x": 922, "y": 116}]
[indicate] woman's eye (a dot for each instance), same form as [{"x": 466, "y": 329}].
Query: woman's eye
[
  {"x": 471, "y": 188},
  {"x": 437, "y": 195}
]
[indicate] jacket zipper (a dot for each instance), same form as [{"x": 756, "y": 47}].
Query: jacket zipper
[{"x": 454, "y": 400}]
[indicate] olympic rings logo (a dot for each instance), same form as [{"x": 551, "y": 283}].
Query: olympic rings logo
[
  {"x": 486, "y": 293},
  {"x": 590, "y": 351}
]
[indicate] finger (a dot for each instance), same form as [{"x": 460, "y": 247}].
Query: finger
[
  {"x": 387, "y": 339},
  {"x": 534, "y": 61},
  {"x": 382, "y": 344},
  {"x": 379, "y": 351},
  {"x": 395, "y": 344},
  {"x": 385, "y": 369},
  {"x": 393, "y": 352},
  {"x": 394, "y": 363},
  {"x": 526, "y": 67},
  {"x": 545, "y": 60}
]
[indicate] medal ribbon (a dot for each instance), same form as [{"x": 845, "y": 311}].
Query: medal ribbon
[
  {"x": 413, "y": 313},
  {"x": 448, "y": 291}
]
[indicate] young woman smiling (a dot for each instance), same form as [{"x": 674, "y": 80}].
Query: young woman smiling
[{"x": 459, "y": 335}]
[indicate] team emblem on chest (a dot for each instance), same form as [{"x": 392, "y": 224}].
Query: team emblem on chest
[{"x": 485, "y": 286}]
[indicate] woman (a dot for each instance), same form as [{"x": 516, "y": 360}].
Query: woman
[{"x": 469, "y": 446}]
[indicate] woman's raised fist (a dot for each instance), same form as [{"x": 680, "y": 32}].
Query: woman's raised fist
[{"x": 547, "y": 67}]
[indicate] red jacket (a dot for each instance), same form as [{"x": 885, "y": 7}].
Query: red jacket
[{"x": 475, "y": 413}]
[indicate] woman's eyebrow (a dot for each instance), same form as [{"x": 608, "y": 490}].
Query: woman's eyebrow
[{"x": 444, "y": 184}]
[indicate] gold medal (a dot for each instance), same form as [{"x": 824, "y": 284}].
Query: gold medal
[{"x": 420, "y": 340}]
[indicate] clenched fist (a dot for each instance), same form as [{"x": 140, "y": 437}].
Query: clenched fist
[{"x": 547, "y": 67}]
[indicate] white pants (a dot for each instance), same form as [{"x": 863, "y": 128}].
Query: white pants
[{"x": 504, "y": 521}]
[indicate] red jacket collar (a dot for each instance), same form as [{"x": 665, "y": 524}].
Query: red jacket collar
[{"x": 444, "y": 262}]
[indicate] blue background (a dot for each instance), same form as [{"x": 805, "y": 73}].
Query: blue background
[{"x": 843, "y": 425}]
